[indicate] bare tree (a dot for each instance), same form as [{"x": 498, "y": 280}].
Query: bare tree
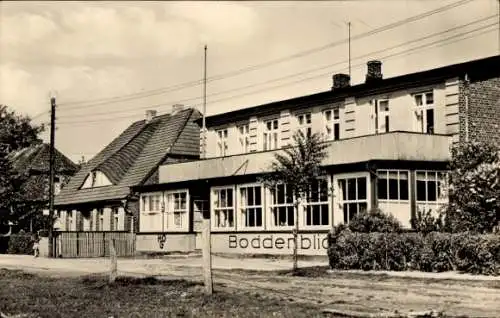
[{"x": 297, "y": 167}]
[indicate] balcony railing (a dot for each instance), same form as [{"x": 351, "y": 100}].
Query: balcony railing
[{"x": 405, "y": 146}]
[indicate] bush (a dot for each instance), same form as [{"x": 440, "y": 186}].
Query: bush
[
  {"x": 425, "y": 221},
  {"x": 20, "y": 244},
  {"x": 435, "y": 252},
  {"x": 374, "y": 221}
]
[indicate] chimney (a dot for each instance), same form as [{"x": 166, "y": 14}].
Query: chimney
[
  {"x": 177, "y": 108},
  {"x": 374, "y": 72},
  {"x": 341, "y": 81},
  {"x": 150, "y": 114}
]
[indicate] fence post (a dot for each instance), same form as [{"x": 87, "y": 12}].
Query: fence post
[
  {"x": 113, "y": 265},
  {"x": 104, "y": 244}
]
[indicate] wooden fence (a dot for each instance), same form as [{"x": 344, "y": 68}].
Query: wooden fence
[{"x": 93, "y": 244}]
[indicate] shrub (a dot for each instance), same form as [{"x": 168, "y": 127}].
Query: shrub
[
  {"x": 435, "y": 252},
  {"x": 20, "y": 244},
  {"x": 374, "y": 221},
  {"x": 425, "y": 221}
]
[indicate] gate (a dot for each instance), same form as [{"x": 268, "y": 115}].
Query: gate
[{"x": 93, "y": 244}]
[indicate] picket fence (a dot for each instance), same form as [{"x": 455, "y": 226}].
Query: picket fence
[{"x": 93, "y": 244}]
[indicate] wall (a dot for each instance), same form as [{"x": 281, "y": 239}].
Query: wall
[
  {"x": 483, "y": 109},
  {"x": 173, "y": 243}
]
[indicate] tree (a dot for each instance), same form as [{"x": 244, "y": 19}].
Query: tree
[
  {"x": 16, "y": 132},
  {"x": 298, "y": 166},
  {"x": 474, "y": 190}
]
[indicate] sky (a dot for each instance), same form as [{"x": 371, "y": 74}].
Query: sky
[{"x": 108, "y": 62}]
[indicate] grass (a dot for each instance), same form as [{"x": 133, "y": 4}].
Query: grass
[{"x": 93, "y": 296}]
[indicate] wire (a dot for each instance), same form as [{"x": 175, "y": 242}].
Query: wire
[
  {"x": 288, "y": 76},
  {"x": 102, "y": 101},
  {"x": 410, "y": 51}
]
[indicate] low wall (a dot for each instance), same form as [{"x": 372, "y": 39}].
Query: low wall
[
  {"x": 269, "y": 243},
  {"x": 174, "y": 242}
]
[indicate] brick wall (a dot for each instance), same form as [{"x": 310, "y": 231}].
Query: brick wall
[{"x": 483, "y": 109}]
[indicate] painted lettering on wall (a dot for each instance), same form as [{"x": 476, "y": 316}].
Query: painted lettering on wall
[{"x": 276, "y": 241}]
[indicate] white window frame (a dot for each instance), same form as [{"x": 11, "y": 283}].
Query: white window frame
[
  {"x": 421, "y": 110},
  {"x": 304, "y": 123},
  {"x": 271, "y": 137},
  {"x": 244, "y": 137},
  {"x": 441, "y": 198},
  {"x": 338, "y": 199},
  {"x": 100, "y": 218},
  {"x": 214, "y": 209},
  {"x": 331, "y": 122},
  {"x": 171, "y": 212},
  {"x": 222, "y": 136},
  {"x": 96, "y": 179},
  {"x": 398, "y": 171},
  {"x": 328, "y": 202},
  {"x": 382, "y": 115},
  {"x": 271, "y": 205},
  {"x": 116, "y": 218},
  {"x": 242, "y": 207}
]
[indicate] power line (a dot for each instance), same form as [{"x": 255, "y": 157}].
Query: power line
[
  {"x": 115, "y": 99},
  {"x": 410, "y": 51},
  {"x": 312, "y": 70}
]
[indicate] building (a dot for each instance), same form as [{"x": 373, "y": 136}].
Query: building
[
  {"x": 98, "y": 197},
  {"x": 388, "y": 147},
  {"x": 33, "y": 162}
]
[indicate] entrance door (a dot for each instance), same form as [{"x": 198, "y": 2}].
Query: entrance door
[{"x": 351, "y": 196}]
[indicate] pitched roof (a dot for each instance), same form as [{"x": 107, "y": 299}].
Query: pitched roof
[
  {"x": 36, "y": 159},
  {"x": 133, "y": 156}
]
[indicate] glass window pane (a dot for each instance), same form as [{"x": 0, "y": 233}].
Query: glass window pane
[
  {"x": 328, "y": 115},
  {"x": 291, "y": 215},
  {"x": 336, "y": 114},
  {"x": 281, "y": 194},
  {"x": 431, "y": 191},
  {"x": 430, "y": 121},
  {"x": 429, "y": 98},
  {"x": 229, "y": 197},
  {"x": 351, "y": 189},
  {"x": 324, "y": 214},
  {"x": 309, "y": 215},
  {"x": 421, "y": 190},
  {"x": 336, "y": 131},
  {"x": 258, "y": 192},
  {"x": 403, "y": 189},
  {"x": 275, "y": 124},
  {"x": 393, "y": 189},
  {"x": 353, "y": 210},
  {"x": 418, "y": 100},
  {"x": 250, "y": 200},
  {"x": 362, "y": 188},
  {"x": 342, "y": 186},
  {"x": 258, "y": 217},
  {"x": 382, "y": 188},
  {"x": 362, "y": 207}
]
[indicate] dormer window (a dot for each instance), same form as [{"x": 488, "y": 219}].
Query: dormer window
[{"x": 96, "y": 179}]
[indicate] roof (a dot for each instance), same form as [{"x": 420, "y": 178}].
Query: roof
[
  {"x": 488, "y": 66},
  {"x": 35, "y": 159},
  {"x": 133, "y": 156}
]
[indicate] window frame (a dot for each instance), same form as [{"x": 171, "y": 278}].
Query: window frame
[
  {"x": 388, "y": 200},
  {"x": 241, "y": 216},
  {"x": 143, "y": 204},
  {"x": 339, "y": 211},
  {"x": 222, "y": 141},
  {"x": 266, "y": 134},
  {"x": 170, "y": 211},
  {"x": 422, "y": 110},
  {"x": 439, "y": 199},
  {"x": 381, "y": 120},
  {"x": 270, "y": 206},
  {"x": 116, "y": 218},
  {"x": 244, "y": 137},
  {"x": 214, "y": 209},
  {"x": 305, "y": 127},
  {"x": 328, "y": 202},
  {"x": 329, "y": 124}
]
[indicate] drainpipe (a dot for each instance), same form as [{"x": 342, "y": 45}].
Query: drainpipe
[{"x": 466, "y": 89}]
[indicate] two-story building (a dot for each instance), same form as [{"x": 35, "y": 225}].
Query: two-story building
[{"x": 388, "y": 147}]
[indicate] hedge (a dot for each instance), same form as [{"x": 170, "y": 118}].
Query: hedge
[
  {"x": 20, "y": 244},
  {"x": 434, "y": 252}
]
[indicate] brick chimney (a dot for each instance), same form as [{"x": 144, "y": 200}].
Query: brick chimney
[
  {"x": 150, "y": 114},
  {"x": 374, "y": 72},
  {"x": 177, "y": 108},
  {"x": 341, "y": 81}
]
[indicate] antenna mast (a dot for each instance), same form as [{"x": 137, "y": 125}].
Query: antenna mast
[{"x": 349, "y": 32}]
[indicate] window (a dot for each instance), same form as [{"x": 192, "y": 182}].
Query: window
[
  {"x": 281, "y": 206},
  {"x": 305, "y": 124},
  {"x": 431, "y": 186},
  {"x": 116, "y": 219},
  {"x": 353, "y": 196},
  {"x": 222, "y": 142},
  {"x": 424, "y": 111},
  {"x": 101, "y": 219},
  {"x": 251, "y": 206},
  {"x": 317, "y": 209},
  {"x": 271, "y": 134},
  {"x": 151, "y": 203},
  {"x": 392, "y": 185},
  {"x": 332, "y": 123},
  {"x": 178, "y": 208},
  {"x": 383, "y": 116},
  {"x": 223, "y": 207},
  {"x": 69, "y": 220},
  {"x": 244, "y": 138}
]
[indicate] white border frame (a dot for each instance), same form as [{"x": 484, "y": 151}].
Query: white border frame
[
  {"x": 338, "y": 213},
  {"x": 240, "y": 221},
  {"x": 212, "y": 209}
]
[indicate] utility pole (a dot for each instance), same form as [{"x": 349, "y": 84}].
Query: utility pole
[
  {"x": 207, "y": 240},
  {"x": 349, "y": 36},
  {"x": 52, "y": 172}
]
